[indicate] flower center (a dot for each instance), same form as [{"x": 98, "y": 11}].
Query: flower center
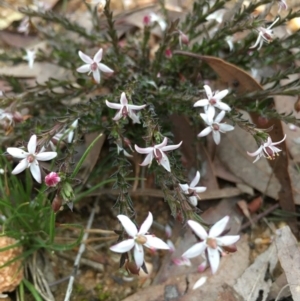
[
  {"x": 94, "y": 66},
  {"x": 30, "y": 158},
  {"x": 215, "y": 127},
  {"x": 212, "y": 243},
  {"x": 141, "y": 239},
  {"x": 212, "y": 101},
  {"x": 157, "y": 154},
  {"x": 124, "y": 112},
  {"x": 270, "y": 153}
]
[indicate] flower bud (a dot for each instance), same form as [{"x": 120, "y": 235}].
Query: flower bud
[
  {"x": 168, "y": 53},
  {"x": 56, "y": 203},
  {"x": 147, "y": 20},
  {"x": 52, "y": 179},
  {"x": 67, "y": 192},
  {"x": 183, "y": 38}
]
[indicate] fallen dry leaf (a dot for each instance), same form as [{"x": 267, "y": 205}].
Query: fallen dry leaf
[
  {"x": 289, "y": 257},
  {"x": 256, "y": 281}
]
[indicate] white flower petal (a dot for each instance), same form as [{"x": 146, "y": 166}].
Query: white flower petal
[
  {"x": 217, "y": 137},
  {"x": 84, "y": 69},
  {"x": 123, "y": 246},
  {"x": 195, "y": 250},
  {"x": 193, "y": 200},
  {"x": 184, "y": 187},
  {"x": 46, "y": 156},
  {"x": 170, "y": 147},
  {"x": 98, "y": 56},
  {"x": 85, "y": 58},
  {"x": 135, "y": 118},
  {"x": 223, "y": 127},
  {"x": 198, "y": 229},
  {"x": 257, "y": 158},
  {"x": 208, "y": 91},
  {"x": 154, "y": 242},
  {"x": 104, "y": 68},
  {"x": 128, "y": 225},
  {"x": 31, "y": 147},
  {"x": 199, "y": 189},
  {"x": 205, "y": 132},
  {"x": 70, "y": 136},
  {"x": 221, "y": 94},
  {"x": 227, "y": 240},
  {"x": 146, "y": 224},
  {"x": 118, "y": 116},
  {"x": 138, "y": 255},
  {"x": 201, "y": 103},
  {"x": 220, "y": 116},
  {"x": 195, "y": 180},
  {"x": 210, "y": 111},
  {"x": 123, "y": 99},
  {"x": 17, "y": 152},
  {"x": 205, "y": 118},
  {"x": 218, "y": 227},
  {"x": 23, "y": 164},
  {"x": 161, "y": 145},
  {"x": 275, "y": 143},
  {"x": 35, "y": 171},
  {"x": 136, "y": 108},
  {"x": 148, "y": 159},
  {"x": 223, "y": 106},
  {"x": 260, "y": 149},
  {"x": 164, "y": 162},
  {"x": 96, "y": 76},
  {"x": 142, "y": 150},
  {"x": 113, "y": 105},
  {"x": 200, "y": 282},
  {"x": 214, "y": 259}
]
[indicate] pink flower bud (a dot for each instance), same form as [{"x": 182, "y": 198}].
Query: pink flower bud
[
  {"x": 52, "y": 179},
  {"x": 147, "y": 20},
  {"x": 184, "y": 39},
  {"x": 168, "y": 53}
]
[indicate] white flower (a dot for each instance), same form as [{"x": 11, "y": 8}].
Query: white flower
[
  {"x": 215, "y": 126},
  {"x": 156, "y": 18},
  {"x": 100, "y": 4},
  {"x": 125, "y": 109},
  {"x": 217, "y": 15},
  {"x": 213, "y": 101},
  {"x": 157, "y": 152},
  {"x": 267, "y": 150},
  {"x": 30, "y": 57},
  {"x": 93, "y": 65},
  {"x": 264, "y": 35},
  {"x": 6, "y": 116},
  {"x": 210, "y": 242},
  {"x": 30, "y": 158},
  {"x": 71, "y": 130},
  {"x": 192, "y": 190},
  {"x": 138, "y": 239},
  {"x": 282, "y": 5},
  {"x": 121, "y": 149}
]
